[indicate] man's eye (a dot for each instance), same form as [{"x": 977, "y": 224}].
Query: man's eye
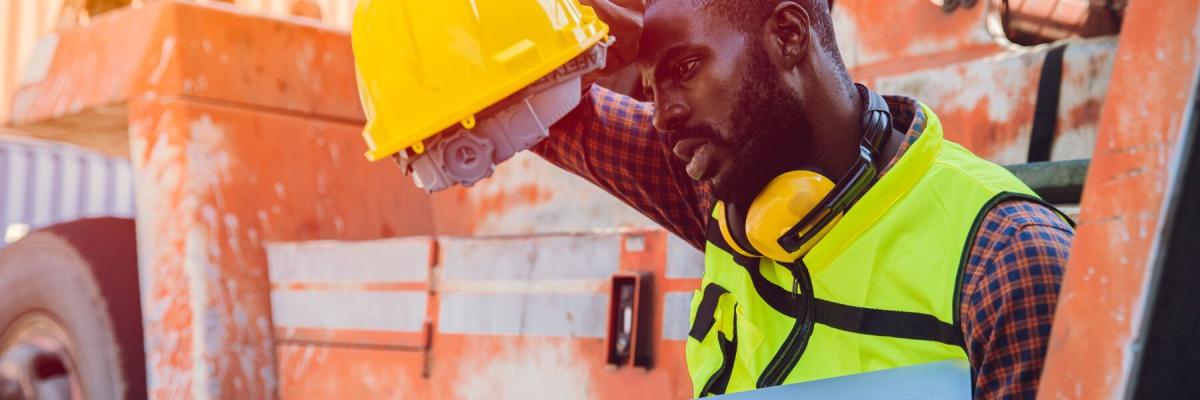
[{"x": 687, "y": 67}]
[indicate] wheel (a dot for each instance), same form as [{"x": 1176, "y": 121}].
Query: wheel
[{"x": 70, "y": 313}]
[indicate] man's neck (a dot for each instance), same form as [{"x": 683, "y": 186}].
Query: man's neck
[{"x": 838, "y": 152}]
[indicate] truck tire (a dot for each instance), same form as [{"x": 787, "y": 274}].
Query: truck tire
[{"x": 70, "y": 313}]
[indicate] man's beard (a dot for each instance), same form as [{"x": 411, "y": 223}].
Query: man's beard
[{"x": 769, "y": 129}]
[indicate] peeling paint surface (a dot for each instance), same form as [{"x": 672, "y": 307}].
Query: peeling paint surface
[
  {"x": 528, "y": 195},
  {"x": 545, "y": 370},
  {"x": 940, "y": 36},
  {"x": 203, "y": 220},
  {"x": 227, "y": 156},
  {"x": 988, "y": 105}
]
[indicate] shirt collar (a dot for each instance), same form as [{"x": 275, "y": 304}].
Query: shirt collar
[{"x": 907, "y": 117}]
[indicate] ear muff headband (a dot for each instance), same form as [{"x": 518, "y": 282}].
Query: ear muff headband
[
  {"x": 831, "y": 208},
  {"x": 876, "y": 124}
]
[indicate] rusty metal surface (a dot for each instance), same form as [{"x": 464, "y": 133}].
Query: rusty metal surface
[
  {"x": 877, "y": 38},
  {"x": 208, "y": 200},
  {"x": 21, "y": 23},
  {"x": 988, "y": 105},
  {"x": 174, "y": 48},
  {"x": 1103, "y": 302},
  {"x": 527, "y": 195},
  {"x": 333, "y": 13}
]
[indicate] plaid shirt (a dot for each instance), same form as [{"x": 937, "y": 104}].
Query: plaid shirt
[{"x": 1010, "y": 285}]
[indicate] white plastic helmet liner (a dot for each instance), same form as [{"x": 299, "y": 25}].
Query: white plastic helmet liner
[{"x": 468, "y": 156}]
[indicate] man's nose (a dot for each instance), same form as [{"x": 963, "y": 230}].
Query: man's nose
[{"x": 670, "y": 115}]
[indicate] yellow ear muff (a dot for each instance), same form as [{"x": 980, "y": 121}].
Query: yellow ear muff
[{"x": 785, "y": 201}]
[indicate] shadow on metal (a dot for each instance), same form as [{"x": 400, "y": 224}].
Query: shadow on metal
[{"x": 1057, "y": 182}]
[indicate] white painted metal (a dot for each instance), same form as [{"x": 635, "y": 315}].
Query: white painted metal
[
  {"x": 677, "y": 307},
  {"x": 560, "y": 315},
  {"x": 400, "y": 311},
  {"x": 540, "y": 257},
  {"x": 541, "y": 285},
  {"x": 387, "y": 260},
  {"x": 319, "y": 284},
  {"x": 683, "y": 260}
]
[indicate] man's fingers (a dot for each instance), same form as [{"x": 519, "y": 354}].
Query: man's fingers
[{"x": 624, "y": 18}]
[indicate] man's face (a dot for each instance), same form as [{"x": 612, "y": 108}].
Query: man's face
[{"x": 721, "y": 100}]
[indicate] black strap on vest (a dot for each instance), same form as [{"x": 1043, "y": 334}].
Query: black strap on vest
[
  {"x": 899, "y": 324},
  {"x": 705, "y": 313},
  {"x": 1045, "y": 112},
  {"x": 866, "y": 321},
  {"x": 861, "y": 320},
  {"x": 719, "y": 381},
  {"x": 845, "y": 317}
]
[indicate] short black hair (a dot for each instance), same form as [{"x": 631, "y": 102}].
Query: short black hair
[
  {"x": 751, "y": 14},
  {"x": 747, "y": 15}
]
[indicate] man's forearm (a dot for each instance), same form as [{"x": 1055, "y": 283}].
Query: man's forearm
[{"x": 609, "y": 140}]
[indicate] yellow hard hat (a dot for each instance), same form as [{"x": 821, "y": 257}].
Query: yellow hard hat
[{"x": 426, "y": 65}]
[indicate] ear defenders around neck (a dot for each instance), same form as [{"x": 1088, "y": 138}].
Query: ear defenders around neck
[{"x": 791, "y": 214}]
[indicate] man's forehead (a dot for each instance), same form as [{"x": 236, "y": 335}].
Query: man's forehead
[{"x": 667, "y": 23}]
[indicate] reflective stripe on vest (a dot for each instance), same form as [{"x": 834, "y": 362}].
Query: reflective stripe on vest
[{"x": 884, "y": 281}]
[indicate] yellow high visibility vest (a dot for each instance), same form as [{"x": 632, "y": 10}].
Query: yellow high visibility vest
[{"x": 881, "y": 289}]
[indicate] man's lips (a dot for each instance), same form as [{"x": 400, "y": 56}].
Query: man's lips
[{"x": 698, "y": 153}]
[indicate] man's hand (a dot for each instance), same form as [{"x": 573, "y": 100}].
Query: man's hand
[{"x": 624, "y": 19}]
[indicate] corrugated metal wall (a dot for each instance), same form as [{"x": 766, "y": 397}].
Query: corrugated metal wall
[{"x": 42, "y": 183}]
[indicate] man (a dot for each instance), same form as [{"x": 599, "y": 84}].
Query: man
[{"x": 940, "y": 258}]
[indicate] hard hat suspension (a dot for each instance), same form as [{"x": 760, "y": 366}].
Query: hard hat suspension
[{"x": 464, "y": 156}]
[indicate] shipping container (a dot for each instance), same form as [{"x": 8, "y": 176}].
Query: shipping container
[{"x": 44, "y": 183}]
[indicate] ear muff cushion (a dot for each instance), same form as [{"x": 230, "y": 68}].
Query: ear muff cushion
[
  {"x": 736, "y": 218},
  {"x": 726, "y": 228},
  {"x": 785, "y": 202}
]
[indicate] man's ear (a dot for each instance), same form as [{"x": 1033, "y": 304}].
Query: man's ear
[{"x": 789, "y": 28}]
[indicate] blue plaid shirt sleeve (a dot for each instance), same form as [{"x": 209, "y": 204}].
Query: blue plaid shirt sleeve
[{"x": 1010, "y": 289}]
